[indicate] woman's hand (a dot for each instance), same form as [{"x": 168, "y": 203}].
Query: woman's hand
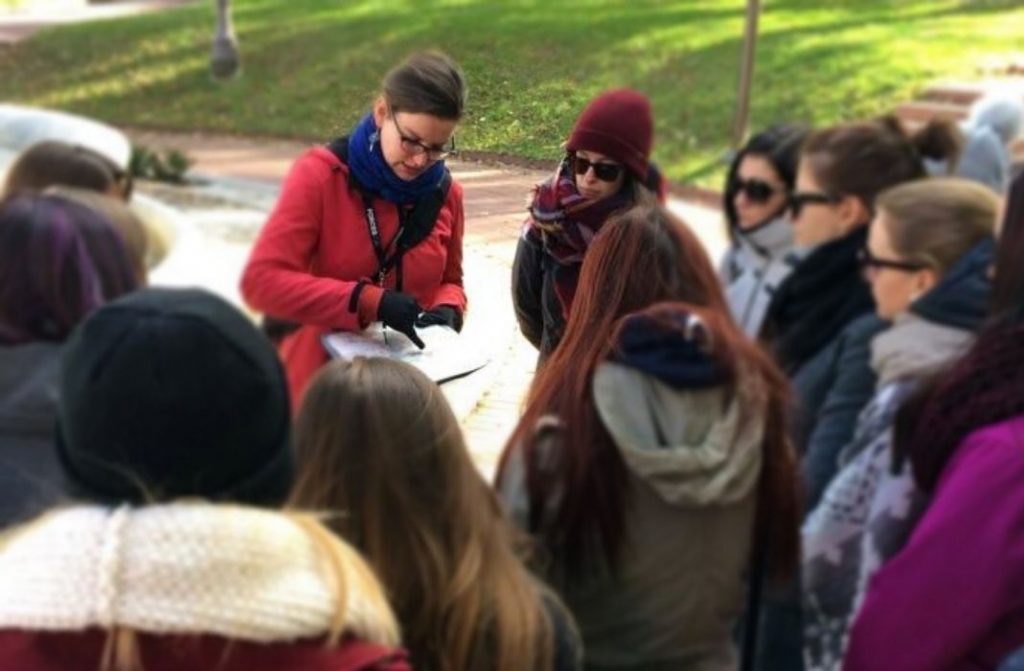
[
  {"x": 400, "y": 311},
  {"x": 442, "y": 315}
]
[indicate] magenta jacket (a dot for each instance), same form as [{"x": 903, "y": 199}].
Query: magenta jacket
[{"x": 953, "y": 598}]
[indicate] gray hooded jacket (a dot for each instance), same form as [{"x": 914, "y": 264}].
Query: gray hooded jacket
[{"x": 694, "y": 460}]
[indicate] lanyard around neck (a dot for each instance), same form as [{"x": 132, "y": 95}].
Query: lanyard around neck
[{"x": 384, "y": 262}]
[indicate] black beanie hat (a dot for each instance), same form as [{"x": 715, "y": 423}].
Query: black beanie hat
[{"x": 169, "y": 393}]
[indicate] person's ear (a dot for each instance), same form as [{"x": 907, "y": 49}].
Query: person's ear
[
  {"x": 852, "y": 212},
  {"x": 380, "y": 111},
  {"x": 924, "y": 281}
]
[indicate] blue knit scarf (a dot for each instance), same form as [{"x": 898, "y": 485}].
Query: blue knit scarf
[
  {"x": 662, "y": 349},
  {"x": 366, "y": 161}
]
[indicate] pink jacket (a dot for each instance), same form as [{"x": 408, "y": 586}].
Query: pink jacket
[{"x": 953, "y": 598}]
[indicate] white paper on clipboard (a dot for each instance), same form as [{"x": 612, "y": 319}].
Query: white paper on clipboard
[{"x": 445, "y": 356}]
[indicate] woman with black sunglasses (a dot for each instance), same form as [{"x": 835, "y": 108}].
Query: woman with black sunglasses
[
  {"x": 821, "y": 319},
  {"x": 757, "y": 190},
  {"x": 368, "y": 228},
  {"x": 927, "y": 258},
  {"x": 606, "y": 169}
]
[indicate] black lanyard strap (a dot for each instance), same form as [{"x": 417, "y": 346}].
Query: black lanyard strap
[
  {"x": 415, "y": 224},
  {"x": 384, "y": 262}
]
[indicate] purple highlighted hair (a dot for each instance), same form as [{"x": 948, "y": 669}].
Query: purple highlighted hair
[{"x": 58, "y": 261}]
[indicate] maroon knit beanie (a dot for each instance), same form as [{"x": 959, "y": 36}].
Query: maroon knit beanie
[{"x": 620, "y": 125}]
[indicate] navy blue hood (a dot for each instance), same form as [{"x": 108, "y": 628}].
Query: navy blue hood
[{"x": 961, "y": 298}]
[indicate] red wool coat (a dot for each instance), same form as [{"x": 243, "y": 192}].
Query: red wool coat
[
  {"x": 316, "y": 247},
  {"x": 74, "y": 651}
]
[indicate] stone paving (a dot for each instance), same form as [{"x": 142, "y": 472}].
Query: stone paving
[
  {"x": 239, "y": 181},
  {"x": 20, "y": 22}
]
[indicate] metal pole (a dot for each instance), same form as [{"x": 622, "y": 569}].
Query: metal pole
[
  {"x": 225, "y": 61},
  {"x": 740, "y": 121}
]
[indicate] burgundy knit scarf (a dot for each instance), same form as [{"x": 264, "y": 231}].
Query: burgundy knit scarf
[{"x": 565, "y": 223}]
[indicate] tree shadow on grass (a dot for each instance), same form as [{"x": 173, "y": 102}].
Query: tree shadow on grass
[{"x": 311, "y": 67}]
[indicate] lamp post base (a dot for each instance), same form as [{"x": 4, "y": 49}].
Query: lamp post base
[{"x": 225, "y": 61}]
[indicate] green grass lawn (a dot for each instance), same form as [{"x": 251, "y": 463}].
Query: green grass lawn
[{"x": 311, "y": 66}]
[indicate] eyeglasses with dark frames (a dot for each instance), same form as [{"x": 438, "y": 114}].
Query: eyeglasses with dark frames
[
  {"x": 869, "y": 261},
  {"x": 756, "y": 190},
  {"x": 415, "y": 147},
  {"x": 798, "y": 200},
  {"x": 606, "y": 172}
]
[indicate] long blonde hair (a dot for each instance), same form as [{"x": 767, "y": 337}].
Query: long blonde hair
[{"x": 377, "y": 442}]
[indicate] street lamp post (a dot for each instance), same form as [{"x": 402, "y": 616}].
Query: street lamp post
[
  {"x": 740, "y": 121},
  {"x": 225, "y": 61}
]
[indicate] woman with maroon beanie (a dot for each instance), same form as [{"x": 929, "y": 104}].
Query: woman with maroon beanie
[{"x": 606, "y": 169}]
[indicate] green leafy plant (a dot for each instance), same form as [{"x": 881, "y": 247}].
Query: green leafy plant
[{"x": 170, "y": 166}]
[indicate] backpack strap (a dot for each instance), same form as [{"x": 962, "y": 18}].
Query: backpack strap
[
  {"x": 415, "y": 224},
  {"x": 424, "y": 213}
]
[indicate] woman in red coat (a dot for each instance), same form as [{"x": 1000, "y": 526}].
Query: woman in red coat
[{"x": 370, "y": 227}]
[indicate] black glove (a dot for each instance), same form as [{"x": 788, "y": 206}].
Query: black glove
[
  {"x": 399, "y": 311},
  {"x": 276, "y": 329},
  {"x": 442, "y": 315}
]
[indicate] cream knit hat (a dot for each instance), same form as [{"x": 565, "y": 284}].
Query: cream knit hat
[{"x": 184, "y": 568}]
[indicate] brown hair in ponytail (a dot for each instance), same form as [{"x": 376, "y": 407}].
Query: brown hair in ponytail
[
  {"x": 428, "y": 82},
  {"x": 863, "y": 159},
  {"x": 939, "y": 140}
]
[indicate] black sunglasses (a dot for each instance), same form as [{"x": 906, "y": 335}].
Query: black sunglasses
[
  {"x": 798, "y": 200},
  {"x": 414, "y": 147},
  {"x": 757, "y": 190},
  {"x": 867, "y": 260},
  {"x": 606, "y": 172}
]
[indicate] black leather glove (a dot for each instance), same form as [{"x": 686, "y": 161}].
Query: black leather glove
[
  {"x": 399, "y": 311},
  {"x": 442, "y": 315}
]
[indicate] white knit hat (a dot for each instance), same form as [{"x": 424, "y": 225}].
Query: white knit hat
[{"x": 183, "y": 568}]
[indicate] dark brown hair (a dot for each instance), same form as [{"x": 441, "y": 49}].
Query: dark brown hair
[
  {"x": 1008, "y": 289},
  {"x": 59, "y": 261},
  {"x": 52, "y": 163},
  {"x": 379, "y": 450},
  {"x": 641, "y": 257},
  {"x": 862, "y": 159},
  {"x": 428, "y": 82},
  {"x": 780, "y": 146},
  {"x": 120, "y": 215}
]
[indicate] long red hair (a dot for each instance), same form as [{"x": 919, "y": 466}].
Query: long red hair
[{"x": 641, "y": 257}]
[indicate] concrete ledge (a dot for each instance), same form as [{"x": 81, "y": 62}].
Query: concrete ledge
[{"x": 21, "y": 127}]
